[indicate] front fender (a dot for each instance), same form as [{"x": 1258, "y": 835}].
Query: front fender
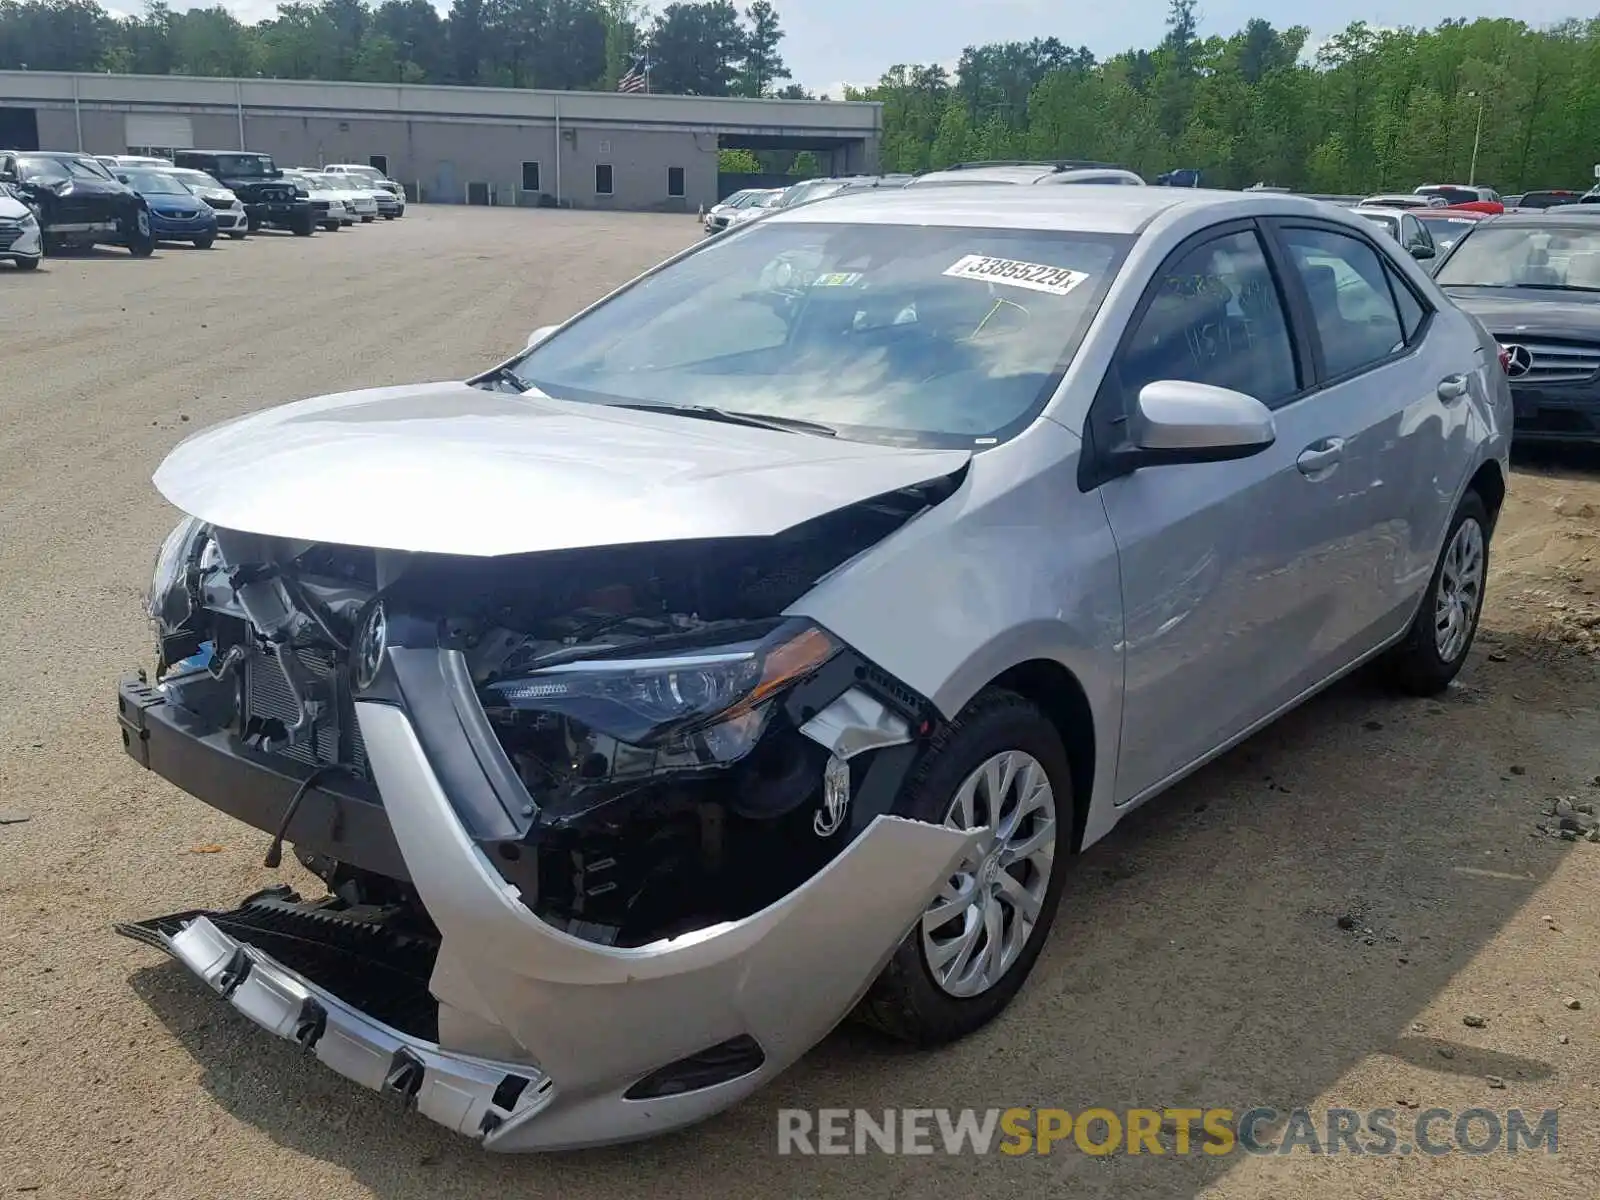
[{"x": 1017, "y": 565}]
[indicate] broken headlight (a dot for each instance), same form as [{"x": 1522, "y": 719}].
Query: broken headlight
[
  {"x": 647, "y": 710},
  {"x": 170, "y": 602}
]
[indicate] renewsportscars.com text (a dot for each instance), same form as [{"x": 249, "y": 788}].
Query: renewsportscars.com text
[{"x": 1378, "y": 1132}]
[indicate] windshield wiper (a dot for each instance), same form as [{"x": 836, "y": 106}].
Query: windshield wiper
[
  {"x": 731, "y": 417},
  {"x": 1554, "y": 287},
  {"x": 502, "y": 379}
]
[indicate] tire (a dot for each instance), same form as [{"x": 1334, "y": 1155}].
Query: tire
[
  {"x": 252, "y": 224},
  {"x": 141, "y": 238},
  {"x": 368, "y": 220},
  {"x": 236, "y": 234},
  {"x": 331, "y": 226},
  {"x": 27, "y": 264},
  {"x": 304, "y": 226},
  {"x": 1419, "y": 665},
  {"x": 907, "y": 1000},
  {"x": 205, "y": 243},
  {"x": 390, "y": 216}
]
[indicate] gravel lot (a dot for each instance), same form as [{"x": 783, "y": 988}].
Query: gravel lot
[{"x": 1306, "y": 922}]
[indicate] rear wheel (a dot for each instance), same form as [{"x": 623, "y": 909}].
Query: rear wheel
[
  {"x": 1000, "y": 766},
  {"x": 1435, "y": 647}
]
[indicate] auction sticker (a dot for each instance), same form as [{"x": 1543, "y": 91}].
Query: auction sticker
[
  {"x": 837, "y": 279},
  {"x": 1038, "y": 277}
]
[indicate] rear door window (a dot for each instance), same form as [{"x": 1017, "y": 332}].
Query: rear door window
[{"x": 1356, "y": 317}]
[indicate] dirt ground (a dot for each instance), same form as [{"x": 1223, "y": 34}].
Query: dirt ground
[{"x": 1305, "y": 923}]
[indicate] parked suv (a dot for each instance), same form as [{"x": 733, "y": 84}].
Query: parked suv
[
  {"x": 390, "y": 194},
  {"x": 77, "y": 201},
  {"x": 269, "y": 199}
]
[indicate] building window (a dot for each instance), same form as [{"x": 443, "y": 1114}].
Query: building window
[
  {"x": 674, "y": 181},
  {"x": 602, "y": 179},
  {"x": 530, "y": 177}
]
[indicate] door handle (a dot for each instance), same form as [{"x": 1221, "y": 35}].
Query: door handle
[
  {"x": 1452, "y": 387},
  {"x": 1321, "y": 456}
]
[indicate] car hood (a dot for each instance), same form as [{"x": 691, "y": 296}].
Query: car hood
[
  {"x": 1520, "y": 311},
  {"x": 451, "y": 469},
  {"x": 13, "y": 210},
  {"x": 86, "y": 187}
]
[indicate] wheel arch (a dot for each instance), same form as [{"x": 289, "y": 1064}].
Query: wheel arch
[
  {"x": 1062, "y": 699},
  {"x": 1490, "y": 483}
]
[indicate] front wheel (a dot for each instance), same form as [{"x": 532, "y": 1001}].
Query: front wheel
[
  {"x": 26, "y": 264},
  {"x": 1435, "y": 647},
  {"x": 390, "y": 216},
  {"x": 236, "y": 234},
  {"x": 205, "y": 242},
  {"x": 1000, "y": 766},
  {"x": 331, "y": 226},
  {"x": 304, "y": 228},
  {"x": 141, "y": 240}
]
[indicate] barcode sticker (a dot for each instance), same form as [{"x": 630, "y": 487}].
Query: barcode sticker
[{"x": 1038, "y": 277}]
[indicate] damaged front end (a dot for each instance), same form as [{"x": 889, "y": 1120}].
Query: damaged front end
[{"x": 618, "y": 834}]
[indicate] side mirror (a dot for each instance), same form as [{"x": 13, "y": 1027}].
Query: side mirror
[
  {"x": 1421, "y": 250},
  {"x": 1176, "y": 421},
  {"x": 121, "y": 178},
  {"x": 539, "y": 335}
]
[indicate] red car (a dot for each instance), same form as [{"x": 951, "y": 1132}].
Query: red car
[{"x": 1488, "y": 208}]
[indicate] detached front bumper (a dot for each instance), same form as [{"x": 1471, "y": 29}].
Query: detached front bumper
[{"x": 609, "y": 1044}]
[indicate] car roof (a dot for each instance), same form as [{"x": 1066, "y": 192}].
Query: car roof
[
  {"x": 1546, "y": 218},
  {"x": 50, "y": 153},
  {"x": 1384, "y": 210},
  {"x": 1088, "y": 208}
]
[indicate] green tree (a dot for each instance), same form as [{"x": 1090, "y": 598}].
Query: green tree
[{"x": 762, "y": 67}]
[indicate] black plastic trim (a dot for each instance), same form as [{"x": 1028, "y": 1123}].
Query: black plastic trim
[{"x": 341, "y": 818}]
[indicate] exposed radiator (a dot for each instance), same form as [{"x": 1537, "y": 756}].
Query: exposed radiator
[{"x": 336, "y": 737}]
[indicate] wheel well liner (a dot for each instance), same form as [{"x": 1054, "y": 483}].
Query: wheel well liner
[
  {"x": 1490, "y": 484},
  {"x": 1060, "y": 696}
]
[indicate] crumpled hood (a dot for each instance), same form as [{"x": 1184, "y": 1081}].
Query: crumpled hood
[
  {"x": 1531, "y": 313},
  {"x": 451, "y": 469}
]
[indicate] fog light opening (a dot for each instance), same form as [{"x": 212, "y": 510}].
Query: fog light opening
[{"x": 722, "y": 1063}]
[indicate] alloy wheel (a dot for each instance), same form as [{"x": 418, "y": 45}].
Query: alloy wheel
[{"x": 977, "y": 927}]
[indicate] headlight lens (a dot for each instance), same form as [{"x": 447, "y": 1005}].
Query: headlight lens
[
  {"x": 29, "y": 221},
  {"x": 169, "y": 603},
  {"x": 707, "y": 703}
]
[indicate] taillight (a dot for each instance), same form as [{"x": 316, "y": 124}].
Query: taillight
[{"x": 1505, "y": 357}]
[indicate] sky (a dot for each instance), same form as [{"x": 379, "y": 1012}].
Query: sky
[{"x": 829, "y": 43}]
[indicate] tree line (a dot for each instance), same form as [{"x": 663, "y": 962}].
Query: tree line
[
  {"x": 1368, "y": 110},
  {"x": 704, "y": 48}
]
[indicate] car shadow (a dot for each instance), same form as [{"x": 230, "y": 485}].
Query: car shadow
[
  {"x": 1286, "y": 914},
  {"x": 93, "y": 253}
]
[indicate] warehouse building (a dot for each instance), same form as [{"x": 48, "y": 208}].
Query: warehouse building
[{"x": 446, "y": 144}]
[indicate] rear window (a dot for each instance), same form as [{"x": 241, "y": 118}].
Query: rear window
[{"x": 896, "y": 333}]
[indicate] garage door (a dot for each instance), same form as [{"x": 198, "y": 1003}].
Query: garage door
[{"x": 173, "y": 133}]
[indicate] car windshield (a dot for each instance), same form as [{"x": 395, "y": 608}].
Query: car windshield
[
  {"x": 1452, "y": 195},
  {"x": 39, "y": 167},
  {"x": 1561, "y": 258},
  {"x": 363, "y": 174},
  {"x": 246, "y": 166},
  {"x": 199, "y": 179},
  {"x": 1446, "y": 230},
  {"x": 156, "y": 183},
  {"x": 1546, "y": 200},
  {"x": 894, "y": 333}
]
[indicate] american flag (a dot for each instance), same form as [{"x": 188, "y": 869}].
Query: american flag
[{"x": 638, "y": 77}]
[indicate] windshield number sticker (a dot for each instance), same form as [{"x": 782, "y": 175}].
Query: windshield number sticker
[
  {"x": 1038, "y": 277},
  {"x": 837, "y": 279}
]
